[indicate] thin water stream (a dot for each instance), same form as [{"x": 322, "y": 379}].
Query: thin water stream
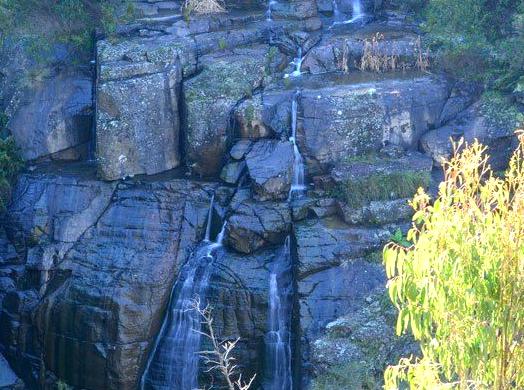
[{"x": 279, "y": 375}]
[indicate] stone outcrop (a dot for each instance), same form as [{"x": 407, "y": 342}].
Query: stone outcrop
[
  {"x": 472, "y": 125},
  {"x": 334, "y": 274},
  {"x": 105, "y": 259},
  {"x": 365, "y": 116},
  {"x": 270, "y": 166},
  {"x": 209, "y": 97},
  {"x": 357, "y": 347},
  {"x": 254, "y": 225},
  {"x": 138, "y": 116},
  {"x": 53, "y": 117}
]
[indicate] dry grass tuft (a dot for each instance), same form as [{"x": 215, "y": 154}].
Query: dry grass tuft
[{"x": 203, "y": 7}]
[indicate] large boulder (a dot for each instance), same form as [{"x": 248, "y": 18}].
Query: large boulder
[
  {"x": 270, "y": 166},
  {"x": 254, "y": 225},
  {"x": 100, "y": 262},
  {"x": 138, "y": 119},
  {"x": 473, "y": 124},
  {"x": 379, "y": 178},
  {"x": 53, "y": 116},
  {"x": 210, "y": 97},
  {"x": 346, "y": 120}
]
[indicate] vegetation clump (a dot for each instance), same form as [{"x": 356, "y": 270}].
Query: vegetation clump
[
  {"x": 10, "y": 164},
  {"x": 39, "y": 25},
  {"x": 476, "y": 39},
  {"x": 459, "y": 287},
  {"x": 359, "y": 191}
]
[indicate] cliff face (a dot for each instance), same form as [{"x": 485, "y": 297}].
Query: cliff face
[{"x": 174, "y": 112}]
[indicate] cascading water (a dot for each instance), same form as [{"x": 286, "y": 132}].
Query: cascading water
[
  {"x": 357, "y": 10},
  {"x": 356, "y": 13},
  {"x": 337, "y": 17},
  {"x": 298, "y": 183},
  {"x": 297, "y": 64},
  {"x": 269, "y": 16},
  {"x": 174, "y": 361},
  {"x": 279, "y": 374}
]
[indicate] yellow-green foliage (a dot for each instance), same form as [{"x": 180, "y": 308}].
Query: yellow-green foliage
[{"x": 460, "y": 287}]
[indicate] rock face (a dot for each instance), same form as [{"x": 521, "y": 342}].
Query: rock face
[
  {"x": 357, "y": 347},
  {"x": 334, "y": 274},
  {"x": 238, "y": 292},
  {"x": 210, "y": 97},
  {"x": 257, "y": 224},
  {"x": 363, "y": 117},
  {"x": 471, "y": 124},
  {"x": 270, "y": 166},
  {"x": 138, "y": 120},
  {"x": 135, "y": 237},
  {"x": 88, "y": 264},
  {"x": 8, "y": 379},
  {"x": 54, "y": 117}
]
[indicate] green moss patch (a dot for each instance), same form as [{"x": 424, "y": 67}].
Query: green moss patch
[{"x": 381, "y": 186}]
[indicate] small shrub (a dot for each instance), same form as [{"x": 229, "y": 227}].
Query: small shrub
[
  {"x": 459, "y": 288},
  {"x": 10, "y": 165}
]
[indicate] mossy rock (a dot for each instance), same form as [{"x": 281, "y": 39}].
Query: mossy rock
[{"x": 361, "y": 181}]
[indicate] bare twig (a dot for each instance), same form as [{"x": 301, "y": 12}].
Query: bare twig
[{"x": 220, "y": 358}]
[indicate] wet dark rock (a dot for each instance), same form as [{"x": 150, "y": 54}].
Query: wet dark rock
[
  {"x": 254, "y": 225},
  {"x": 333, "y": 275},
  {"x": 8, "y": 379},
  {"x": 54, "y": 117},
  {"x": 210, "y": 97},
  {"x": 270, "y": 166},
  {"x": 240, "y": 149},
  {"x": 239, "y": 295},
  {"x": 472, "y": 124},
  {"x": 232, "y": 171},
  {"x": 98, "y": 274}
]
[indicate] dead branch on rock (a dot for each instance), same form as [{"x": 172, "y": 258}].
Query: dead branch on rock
[{"x": 220, "y": 358}]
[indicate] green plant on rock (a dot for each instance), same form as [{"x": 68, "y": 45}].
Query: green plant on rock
[
  {"x": 476, "y": 39},
  {"x": 357, "y": 192},
  {"x": 346, "y": 376},
  {"x": 460, "y": 287},
  {"x": 10, "y": 165},
  {"x": 40, "y": 24}
]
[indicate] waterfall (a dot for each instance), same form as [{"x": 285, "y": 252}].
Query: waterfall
[
  {"x": 207, "y": 237},
  {"x": 298, "y": 182},
  {"x": 269, "y": 11},
  {"x": 357, "y": 10},
  {"x": 356, "y": 13},
  {"x": 174, "y": 361},
  {"x": 279, "y": 375},
  {"x": 336, "y": 12},
  {"x": 297, "y": 64}
]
